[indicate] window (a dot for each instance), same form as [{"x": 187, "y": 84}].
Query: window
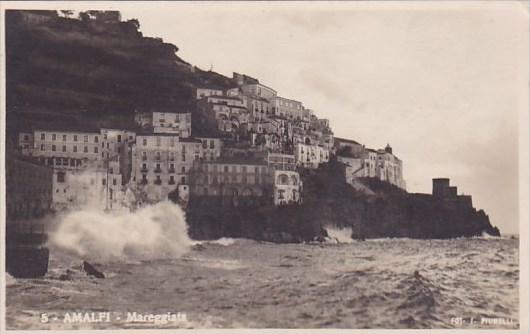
[
  {"x": 172, "y": 142},
  {"x": 111, "y": 170},
  {"x": 212, "y": 144},
  {"x": 183, "y": 180},
  {"x": 205, "y": 144},
  {"x": 171, "y": 156},
  {"x": 54, "y": 136},
  {"x": 144, "y": 156},
  {"x": 85, "y": 149},
  {"x": 42, "y": 136},
  {"x": 86, "y": 139},
  {"x": 60, "y": 177},
  {"x": 96, "y": 139},
  {"x": 96, "y": 149},
  {"x": 158, "y": 141},
  {"x": 64, "y": 137},
  {"x": 64, "y": 148},
  {"x": 53, "y": 148},
  {"x": 42, "y": 147},
  {"x": 75, "y": 137},
  {"x": 226, "y": 169},
  {"x": 119, "y": 138},
  {"x": 104, "y": 181},
  {"x": 144, "y": 142},
  {"x": 114, "y": 181},
  {"x": 183, "y": 169},
  {"x": 75, "y": 148},
  {"x": 157, "y": 156},
  {"x": 157, "y": 166},
  {"x": 244, "y": 169},
  {"x": 171, "y": 166}
]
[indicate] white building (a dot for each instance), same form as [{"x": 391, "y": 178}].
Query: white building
[
  {"x": 173, "y": 123},
  {"x": 161, "y": 162},
  {"x": 310, "y": 156},
  {"x": 287, "y": 187},
  {"x": 205, "y": 92}
]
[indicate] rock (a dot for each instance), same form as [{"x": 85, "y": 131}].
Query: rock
[
  {"x": 91, "y": 271},
  {"x": 65, "y": 277}
]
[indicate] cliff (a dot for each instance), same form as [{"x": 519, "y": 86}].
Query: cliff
[
  {"x": 373, "y": 209},
  {"x": 92, "y": 72}
]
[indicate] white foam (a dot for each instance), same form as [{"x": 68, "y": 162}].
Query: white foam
[
  {"x": 152, "y": 232},
  {"x": 339, "y": 235}
]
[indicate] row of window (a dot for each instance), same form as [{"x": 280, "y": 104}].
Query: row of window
[
  {"x": 235, "y": 168},
  {"x": 231, "y": 179},
  {"x": 158, "y": 181},
  {"x": 171, "y": 156},
  {"x": 64, "y": 148},
  {"x": 158, "y": 168},
  {"x": 61, "y": 178}
]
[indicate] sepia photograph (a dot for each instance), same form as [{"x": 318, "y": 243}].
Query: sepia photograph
[{"x": 265, "y": 165}]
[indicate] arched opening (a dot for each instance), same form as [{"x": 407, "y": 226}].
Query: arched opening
[{"x": 282, "y": 179}]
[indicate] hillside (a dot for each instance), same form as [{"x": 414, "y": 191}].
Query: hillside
[{"x": 92, "y": 72}]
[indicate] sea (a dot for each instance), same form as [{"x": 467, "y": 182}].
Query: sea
[{"x": 239, "y": 283}]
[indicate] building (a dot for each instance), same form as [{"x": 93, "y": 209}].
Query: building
[
  {"x": 442, "y": 191},
  {"x": 280, "y": 161},
  {"x": 25, "y": 143},
  {"x": 389, "y": 168},
  {"x": 87, "y": 166},
  {"x": 161, "y": 162},
  {"x": 80, "y": 146},
  {"x": 227, "y": 100},
  {"x": 287, "y": 187},
  {"x": 205, "y": 92},
  {"x": 28, "y": 188},
  {"x": 239, "y": 180},
  {"x": 310, "y": 156},
  {"x": 117, "y": 146},
  {"x": 288, "y": 108},
  {"x": 260, "y": 90},
  {"x": 211, "y": 148},
  {"x": 347, "y": 148},
  {"x": 172, "y": 122}
]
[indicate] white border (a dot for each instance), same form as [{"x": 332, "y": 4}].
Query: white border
[{"x": 524, "y": 156}]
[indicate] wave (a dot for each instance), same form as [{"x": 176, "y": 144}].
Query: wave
[
  {"x": 152, "y": 232},
  {"x": 339, "y": 235}
]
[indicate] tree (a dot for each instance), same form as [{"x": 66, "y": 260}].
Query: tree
[{"x": 135, "y": 23}]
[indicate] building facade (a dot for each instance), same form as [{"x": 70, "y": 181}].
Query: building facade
[
  {"x": 28, "y": 188},
  {"x": 310, "y": 156},
  {"x": 161, "y": 162}
]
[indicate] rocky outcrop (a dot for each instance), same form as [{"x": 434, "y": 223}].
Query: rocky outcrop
[
  {"x": 380, "y": 211},
  {"x": 90, "y": 270}
]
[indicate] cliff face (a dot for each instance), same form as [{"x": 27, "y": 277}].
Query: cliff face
[
  {"x": 377, "y": 210},
  {"x": 92, "y": 72}
]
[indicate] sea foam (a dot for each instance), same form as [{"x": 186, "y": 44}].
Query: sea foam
[{"x": 152, "y": 232}]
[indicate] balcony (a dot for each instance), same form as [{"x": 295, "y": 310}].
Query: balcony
[
  {"x": 144, "y": 170},
  {"x": 171, "y": 171},
  {"x": 171, "y": 182},
  {"x": 158, "y": 182},
  {"x": 158, "y": 170}
]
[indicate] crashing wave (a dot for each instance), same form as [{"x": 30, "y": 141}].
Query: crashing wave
[{"x": 153, "y": 232}]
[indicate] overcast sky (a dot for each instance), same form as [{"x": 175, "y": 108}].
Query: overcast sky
[{"x": 442, "y": 83}]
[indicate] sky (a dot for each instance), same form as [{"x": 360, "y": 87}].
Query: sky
[{"x": 444, "y": 83}]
